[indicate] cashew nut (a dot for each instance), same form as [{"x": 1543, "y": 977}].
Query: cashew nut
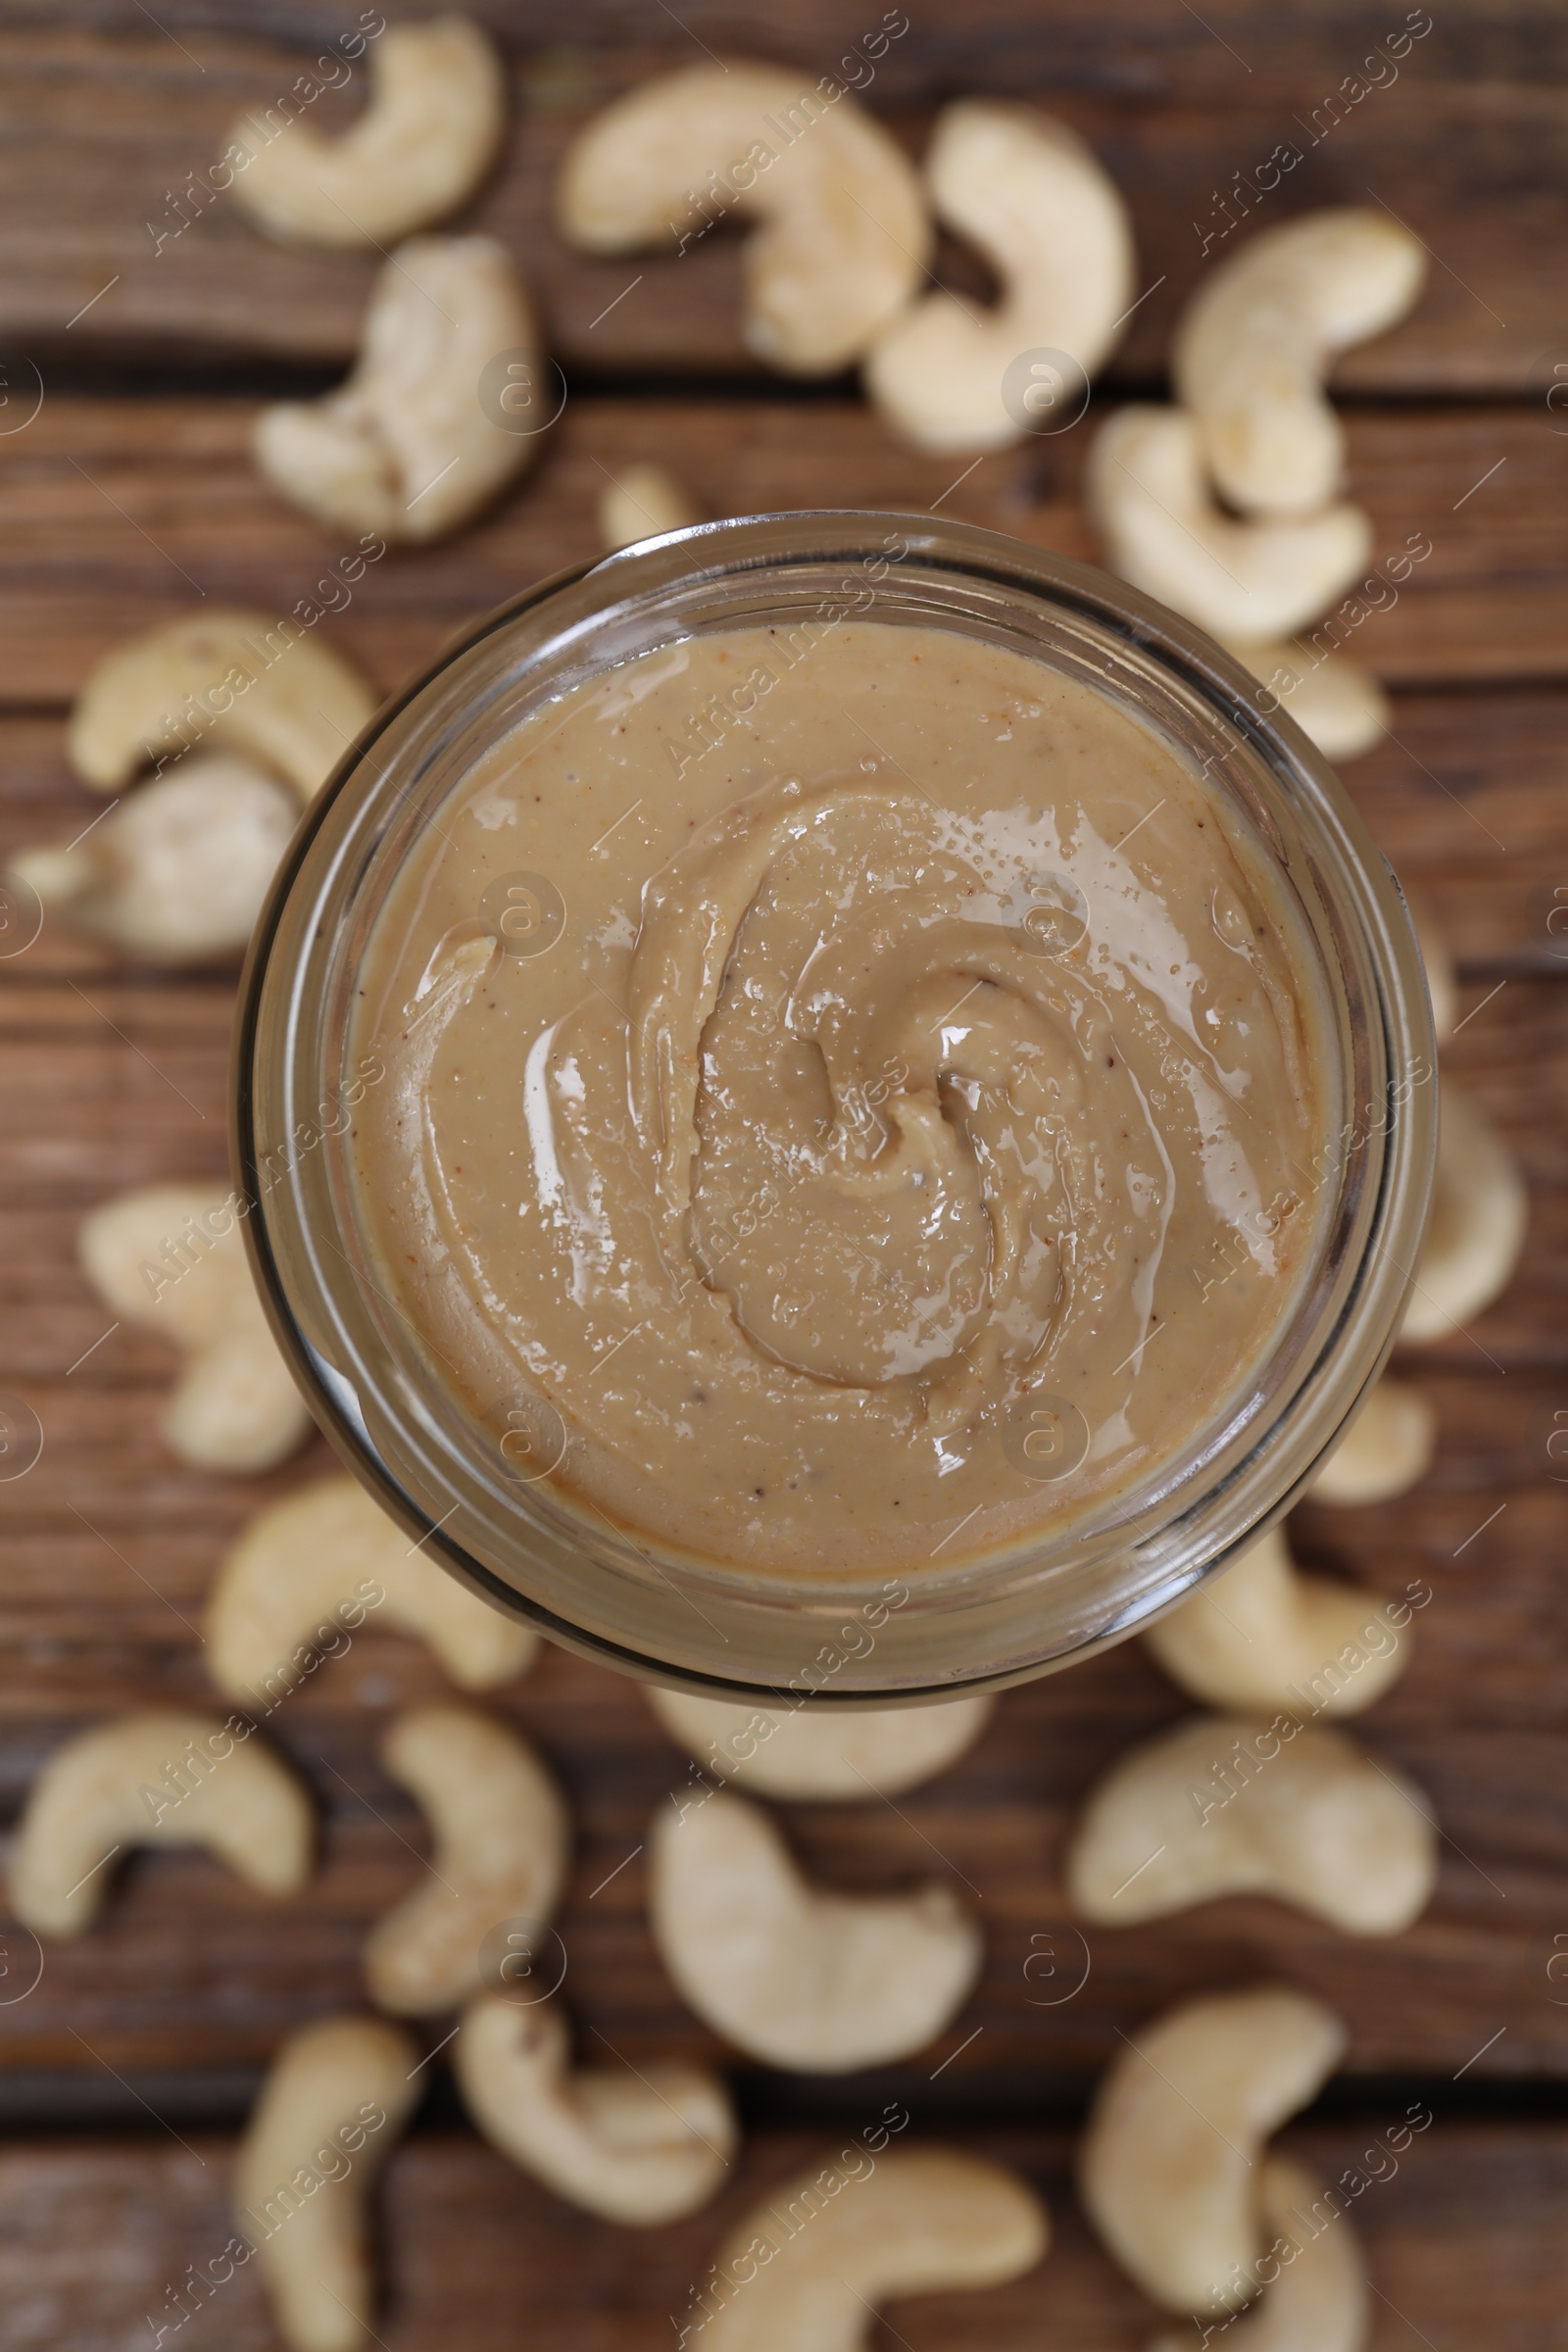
[
  {"x": 1388, "y": 1448},
  {"x": 821, "y": 1984},
  {"x": 1256, "y": 341},
  {"x": 501, "y": 1846},
  {"x": 164, "y": 1777},
  {"x": 1234, "y": 1804},
  {"x": 844, "y": 235},
  {"x": 1244, "y": 582},
  {"x": 785, "y": 1751},
  {"x": 173, "y": 1258},
  {"x": 641, "y": 502},
  {"x": 338, "y": 2094},
  {"x": 428, "y": 135},
  {"x": 1053, "y": 226},
  {"x": 1262, "y": 1635},
  {"x": 1477, "y": 1230},
  {"x": 234, "y": 680},
  {"x": 409, "y": 446},
  {"x": 809, "y": 2268},
  {"x": 1437, "y": 959},
  {"x": 178, "y": 873},
  {"x": 1336, "y": 704},
  {"x": 637, "y": 2147},
  {"x": 1316, "y": 2299},
  {"x": 1168, "y": 2162},
  {"x": 325, "y": 1558}
]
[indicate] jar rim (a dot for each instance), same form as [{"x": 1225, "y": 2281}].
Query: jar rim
[{"x": 993, "y": 1621}]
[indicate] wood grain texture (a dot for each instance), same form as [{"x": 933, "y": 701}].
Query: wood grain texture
[
  {"x": 115, "y": 516},
  {"x": 112, "y": 1077},
  {"x": 102, "y": 130},
  {"x": 98, "y": 2234},
  {"x": 117, "y": 513}
]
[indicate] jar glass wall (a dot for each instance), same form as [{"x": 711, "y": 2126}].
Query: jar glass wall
[{"x": 497, "y": 1516}]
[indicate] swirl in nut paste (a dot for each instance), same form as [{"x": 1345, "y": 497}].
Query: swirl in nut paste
[{"x": 873, "y": 1123}]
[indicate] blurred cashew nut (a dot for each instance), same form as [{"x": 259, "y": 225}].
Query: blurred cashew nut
[
  {"x": 172, "y": 1259},
  {"x": 1314, "y": 2294},
  {"x": 1256, "y": 341},
  {"x": 1476, "y": 1235},
  {"x": 639, "y": 2147},
  {"x": 1336, "y": 704},
  {"x": 843, "y": 237},
  {"x": 427, "y": 137},
  {"x": 801, "y": 1979},
  {"x": 1239, "y": 1805},
  {"x": 1051, "y": 224},
  {"x": 1244, "y": 582},
  {"x": 234, "y": 682},
  {"x": 808, "y": 2268},
  {"x": 329, "y": 2113},
  {"x": 161, "y": 1776},
  {"x": 1257, "y": 1634},
  {"x": 642, "y": 502},
  {"x": 329, "y": 1556},
  {"x": 178, "y": 872},
  {"x": 500, "y": 1835},
  {"x": 1168, "y": 2165},
  {"x": 823, "y": 1754},
  {"x": 409, "y": 446},
  {"x": 1388, "y": 1448}
]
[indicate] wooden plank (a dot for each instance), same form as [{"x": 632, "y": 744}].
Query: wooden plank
[
  {"x": 187, "y": 1969},
  {"x": 109, "y": 1547},
  {"x": 102, "y": 130},
  {"x": 1140, "y": 47},
  {"x": 115, "y": 516},
  {"x": 98, "y": 2232},
  {"x": 1464, "y": 797}
]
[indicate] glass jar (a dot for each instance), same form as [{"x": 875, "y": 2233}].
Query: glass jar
[{"x": 394, "y": 1415}]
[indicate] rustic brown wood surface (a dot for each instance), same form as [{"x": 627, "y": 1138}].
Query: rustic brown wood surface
[
  {"x": 104, "y": 128},
  {"x": 128, "y": 499},
  {"x": 480, "y": 2257}
]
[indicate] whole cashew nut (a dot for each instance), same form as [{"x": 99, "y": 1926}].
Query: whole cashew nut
[
  {"x": 1336, "y": 704},
  {"x": 161, "y": 1776},
  {"x": 178, "y": 873},
  {"x": 643, "y": 502},
  {"x": 1388, "y": 1448},
  {"x": 637, "y": 2147},
  {"x": 1480, "y": 1208},
  {"x": 501, "y": 1838},
  {"x": 331, "y": 2110},
  {"x": 1051, "y": 224},
  {"x": 408, "y": 447},
  {"x": 1262, "y": 1635},
  {"x": 816, "y": 1982},
  {"x": 1168, "y": 2164},
  {"x": 842, "y": 238},
  {"x": 1255, "y": 342},
  {"x": 234, "y": 680},
  {"x": 431, "y": 132},
  {"x": 327, "y": 1556},
  {"x": 826, "y": 1757},
  {"x": 808, "y": 2269},
  {"x": 1238, "y": 1805},
  {"x": 1316, "y": 2299},
  {"x": 172, "y": 1259},
  {"x": 1244, "y": 582}
]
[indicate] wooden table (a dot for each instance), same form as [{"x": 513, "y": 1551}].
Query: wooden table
[{"x": 127, "y": 2070}]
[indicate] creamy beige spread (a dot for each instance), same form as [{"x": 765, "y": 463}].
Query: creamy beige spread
[{"x": 865, "y": 1092}]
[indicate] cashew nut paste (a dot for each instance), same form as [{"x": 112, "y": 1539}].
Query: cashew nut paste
[{"x": 864, "y": 1093}]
